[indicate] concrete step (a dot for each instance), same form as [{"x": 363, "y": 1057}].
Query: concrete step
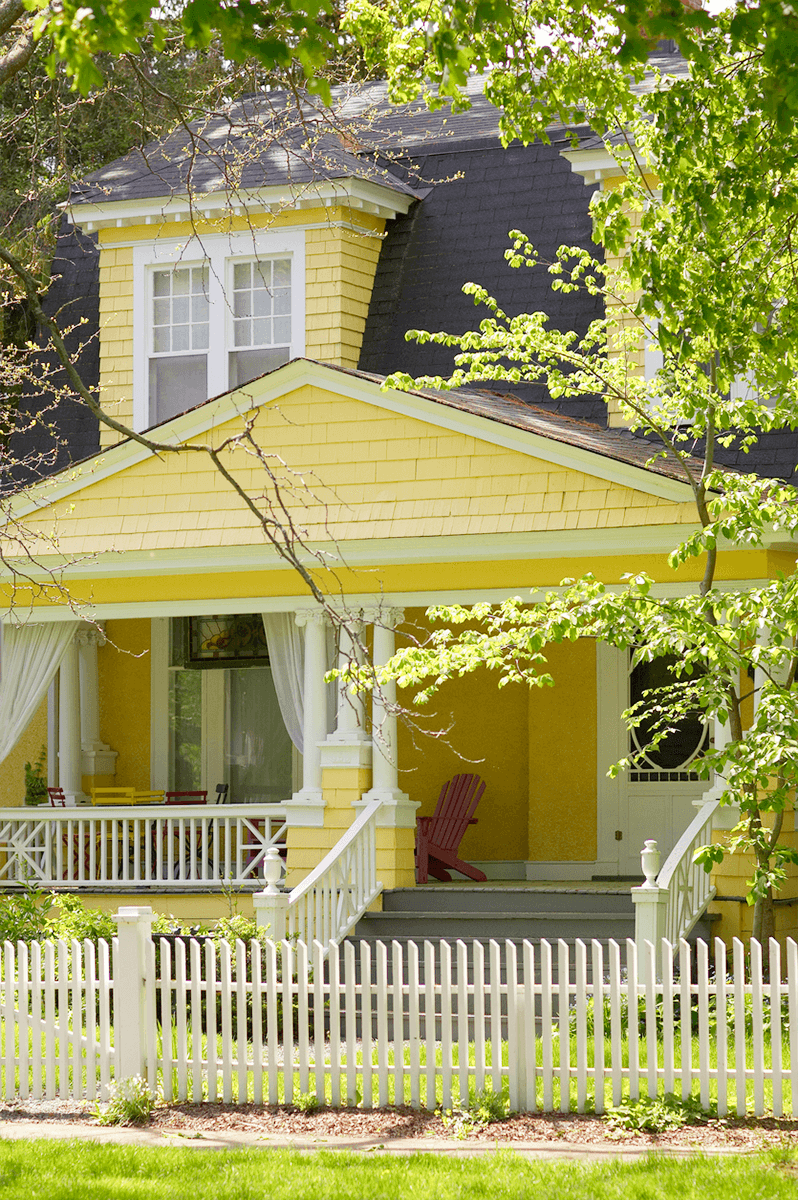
[
  {"x": 513, "y": 925},
  {"x": 482, "y": 898}
]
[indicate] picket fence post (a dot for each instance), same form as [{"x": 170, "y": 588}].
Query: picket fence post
[
  {"x": 130, "y": 1002},
  {"x": 650, "y": 901}
]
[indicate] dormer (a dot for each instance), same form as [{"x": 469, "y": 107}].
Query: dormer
[{"x": 225, "y": 255}]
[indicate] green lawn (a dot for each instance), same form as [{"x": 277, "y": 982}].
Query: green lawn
[{"x": 81, "y": 1170}]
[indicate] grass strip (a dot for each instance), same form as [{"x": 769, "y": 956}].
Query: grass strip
[{"x": 79, "y": 1170}]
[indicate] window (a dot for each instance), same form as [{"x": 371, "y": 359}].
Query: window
[
  {"x": 224, "y": 718},
  {"x": 178, "y": 376},
  {"x": 212, "y": 314},
  {"x": 673, "y": 760}
]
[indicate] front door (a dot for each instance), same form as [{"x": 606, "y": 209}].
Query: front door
[{"x": 656, "y": 800}]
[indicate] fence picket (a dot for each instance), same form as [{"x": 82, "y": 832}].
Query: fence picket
[
  {"x": 49, "y": 1019},
  {"x": 226, "y": 981},
  {"x": 462, "y": 1019},
  {"x": 650, "y": 968},
  {"x": 104, "y": 988},
  {"x": 382, "y": 1024},
  {"x": 212, "y": 1049},
  {"x": 366, "y": 1016},
  {"x": 758, "y": 1036},
  {"x": 668, "y": 1064},
  {"x": 334, "y": 964},
  {"x": 180, "y": 1020},
  {"x": 242, "y": 1091},
  {"x": 429, "y": 1024},
  {"x": 302, "y": 1013},
  {"x": 413, "y": 1024},
  {"x": 721, "y": 1027},
  {"x": 515, "y": 1030},
  {"x": 167, "y": 1060},
  {"x": 530, "y": 1047},
  {"x": 397, "y": 963},
  {"x": 36, "y": 1024},
  {"x": 272, "y": 1030},
  {"x": 495, "y": 1016},
  {"x": 478, "y": 951},
  {"x": 75, "y": 1021},
  {"x": 23, "y": 1006},
  {"x": 257, "y": 1022},
  {"x": 792, "y": 1017},
  {"x": 702, "y": 984},
  {"x": 563, "y": 1022},
  {"x": 597, "y": 964},
  {"x": 616, "y": 1064},
  {"x": 581, "y": 1025},
  {"x": 151, "y": 1023},
  {"x": 287, "y": 964},
  {"x": 196, "y": 1021},
  {"x": 546, "y": 1026},
  {"x": 350, "y": 1018},
  {"x": 446, "y": 1022},
  {"x": 318, "y": 1021},
  {"x": 9, "y": 1089},
  {"x": 686, "y": 1018},
  {"x": 739, "y": 1025},
  {"x": 775, "y": 1027},
  {"x": 632, "y": 1030},
  {"x": 63, "y": 1019}
]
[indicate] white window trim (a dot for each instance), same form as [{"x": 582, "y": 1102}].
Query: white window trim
[{"x": 219, "y": 250}]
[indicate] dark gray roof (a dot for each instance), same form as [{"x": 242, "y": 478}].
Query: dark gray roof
[{"x": 256, "y": 143}]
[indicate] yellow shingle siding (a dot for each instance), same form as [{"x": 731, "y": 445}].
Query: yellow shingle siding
[
  {"x": 353, "y": 471},
  {"x": 340, "y": 267}
]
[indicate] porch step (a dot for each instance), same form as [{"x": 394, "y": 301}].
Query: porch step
[
  {"x": 496, "y": 924},
  {"x": 480, "y": 899}
]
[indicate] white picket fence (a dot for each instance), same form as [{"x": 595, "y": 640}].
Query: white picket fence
[{"x": 418, "y": 1025}]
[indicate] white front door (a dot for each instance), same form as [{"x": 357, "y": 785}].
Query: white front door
[{"x": 640, "y": 804}]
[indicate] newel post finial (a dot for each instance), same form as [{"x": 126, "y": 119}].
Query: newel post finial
[
  {"x": 649, "y": 860},
  {"x": 271, "y": 905}
]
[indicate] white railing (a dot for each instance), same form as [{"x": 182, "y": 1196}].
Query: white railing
[
  {"x": 160, "y": 847},
  {"x": 670, "y": 905},
  {"x": 332, "y": 899}
]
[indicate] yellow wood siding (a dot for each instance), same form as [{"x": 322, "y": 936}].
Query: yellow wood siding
[
  {"x": 124, "y": 682},
  {"x": 368, "y": 473},
  {"x": 12, "y": 775}
]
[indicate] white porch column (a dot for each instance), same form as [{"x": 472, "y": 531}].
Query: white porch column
[
  {"x": 398, "y": 809},
  {"x": 309, "y": 799},
  {"x": 349, "y": 745},
  {"x": 97, "y": 757},
  {"x": 69, "y": 755}
]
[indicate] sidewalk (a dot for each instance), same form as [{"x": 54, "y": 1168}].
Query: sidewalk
[{"x": 115, "y": 1135}]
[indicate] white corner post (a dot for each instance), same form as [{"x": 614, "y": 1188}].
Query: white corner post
[
  {"x": 397, "y": 807},
  {"x": 130, "y": 997},
  {"x": 271, "y": 905},
  {"x": 727, "y": 815},
  {"x": 307, "y": 805},
  {"x": 650, "y": 901},
  {"x": 98, "y": 758},
  {"x": 70, "y": 766}
]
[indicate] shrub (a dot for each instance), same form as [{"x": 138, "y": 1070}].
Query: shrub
[
  {"x": 131, "y": 1103},
  {"x": 656, "y": 1114}
]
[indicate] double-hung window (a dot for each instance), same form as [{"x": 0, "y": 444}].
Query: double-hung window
[{"x": 210, "y": 315}]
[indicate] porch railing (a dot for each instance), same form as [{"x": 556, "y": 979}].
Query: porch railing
[
  {"x": 161, "y": 848},
  {"x": 670, "y": 905},
  {"x": 332, "y": 899}
]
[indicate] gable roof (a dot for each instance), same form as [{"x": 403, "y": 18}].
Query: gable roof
[{"x": 492, "y": 417}]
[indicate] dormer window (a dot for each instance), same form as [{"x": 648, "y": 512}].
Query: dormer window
[
  {"x": 261, "y": 318},
  {"x": 211, "y": 315},
  {"x": 178, "y": 376}
]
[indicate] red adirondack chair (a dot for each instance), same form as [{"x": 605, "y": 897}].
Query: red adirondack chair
[{"x": 438, "y": 837}]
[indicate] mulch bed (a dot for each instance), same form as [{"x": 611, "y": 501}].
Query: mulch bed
[{"x": 355, "y": 1124}]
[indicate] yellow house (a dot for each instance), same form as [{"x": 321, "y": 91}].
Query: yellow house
[{"x": 165, "y": 639}]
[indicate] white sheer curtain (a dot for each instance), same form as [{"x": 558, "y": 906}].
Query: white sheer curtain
[
  {"x": 31, "y": 656},
  {"x": 286, "y": 645}
]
